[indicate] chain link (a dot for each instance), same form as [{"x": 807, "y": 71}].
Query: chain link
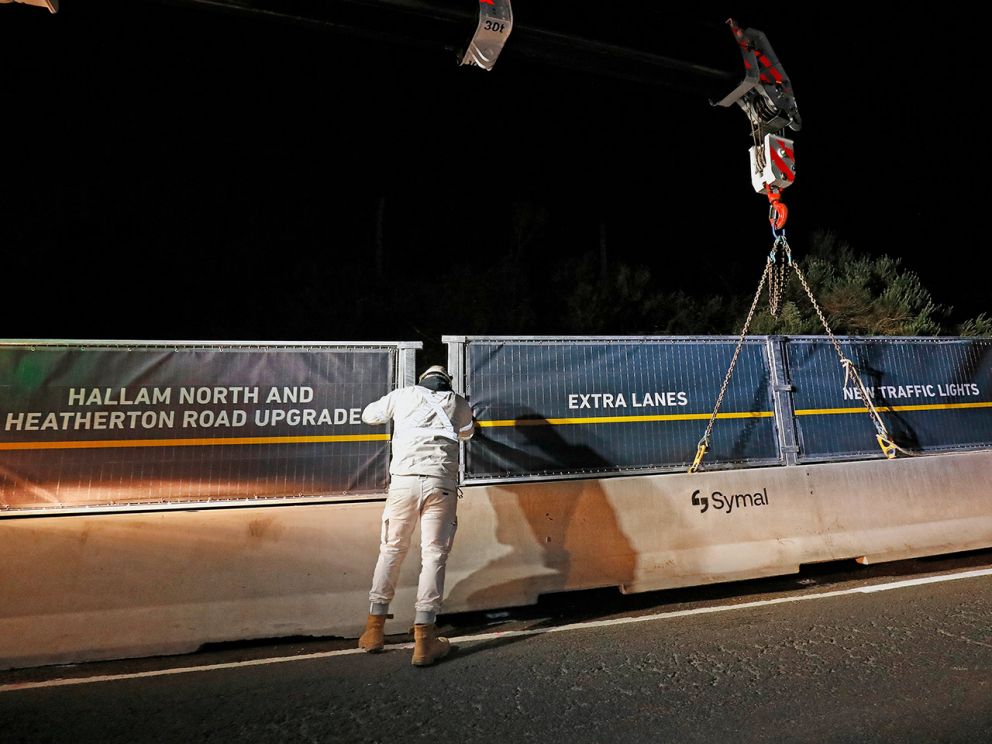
[
  {"x": 704, "y": 443},
  {"x": 776, "y": 268},
  {"x": 779, "y": 260},
  {"x": 851, "y": 373}
]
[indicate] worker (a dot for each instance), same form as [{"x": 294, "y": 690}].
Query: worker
[{"x": 429, "y": 420}]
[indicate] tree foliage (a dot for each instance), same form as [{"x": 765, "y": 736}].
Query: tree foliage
[
  {"x": 625, "y": 300},
  {"x": 596, "y": 302},
  {"x": 981, "y": 325},
  {"x": 858, "y": 294},
  {"x": 519, "y": 290}
]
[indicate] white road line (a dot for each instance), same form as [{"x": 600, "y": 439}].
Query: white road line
[{"x": 503, "y": 634}]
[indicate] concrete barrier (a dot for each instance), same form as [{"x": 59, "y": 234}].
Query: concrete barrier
[{"x": 118, "y": 585}]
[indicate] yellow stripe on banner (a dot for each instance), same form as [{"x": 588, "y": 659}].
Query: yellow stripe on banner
[
  {"x": 861, "y": 409},
  {"x": 623, "y": 419},
  {"x": 218, "y": 441}
]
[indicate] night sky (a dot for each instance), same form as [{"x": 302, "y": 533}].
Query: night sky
[{"x": 173, "y": 172}]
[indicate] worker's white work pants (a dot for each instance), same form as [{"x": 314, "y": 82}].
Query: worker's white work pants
[{"x": 432, "y": 501}]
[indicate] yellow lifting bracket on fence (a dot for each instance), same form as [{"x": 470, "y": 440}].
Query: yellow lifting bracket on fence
[{"x": 776, "y": 266}]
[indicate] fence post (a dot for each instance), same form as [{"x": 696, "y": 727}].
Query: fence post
[
  {"x": 456, "y": 368},
  {"x": 785, "y": 418},
  {"x": 406, "y": 366},
  {"x": 456, "y": 362}
]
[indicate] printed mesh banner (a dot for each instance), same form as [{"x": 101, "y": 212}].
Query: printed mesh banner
[
  {"x": 557, "y": 407},
  {"x": 106, "y": 425},
  {"x": 933, "y": 394}
]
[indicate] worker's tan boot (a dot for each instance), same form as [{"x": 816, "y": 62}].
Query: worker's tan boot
[
  {"x": 373, "y": 639},
  {"x": 428, "y": 648}
]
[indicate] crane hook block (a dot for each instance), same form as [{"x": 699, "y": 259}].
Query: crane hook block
[
  {"x": 765, "y": 94},
  {"x": 773, "y": 164},
  {"x": 491, "y": 33}
]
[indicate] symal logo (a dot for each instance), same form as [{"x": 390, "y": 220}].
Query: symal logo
[{"x": 728, "y": 503}]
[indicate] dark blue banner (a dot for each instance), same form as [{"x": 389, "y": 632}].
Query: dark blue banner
[
  {"x": 933, "y": 394},
  {"x": 107, "y": 425},
  {"x": 554, "y": 408}
]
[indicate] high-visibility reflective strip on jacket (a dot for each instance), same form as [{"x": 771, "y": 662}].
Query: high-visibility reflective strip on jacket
[{"x": 427, "y": 427}]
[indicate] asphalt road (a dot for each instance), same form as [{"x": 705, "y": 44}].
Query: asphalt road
[{"x": 892, "y": 653}]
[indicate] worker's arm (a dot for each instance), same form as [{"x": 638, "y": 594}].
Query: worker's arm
[
  {"x": 463, "y": 421},
  {"x": 379, "y": 411}
]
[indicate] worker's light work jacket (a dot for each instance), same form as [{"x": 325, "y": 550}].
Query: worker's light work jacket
[{"x": 427, "y": 427}]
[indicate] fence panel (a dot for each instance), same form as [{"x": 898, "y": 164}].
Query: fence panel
[
  {"x": 582, "y": 406},
  {"x": 103, "y": 424},
  {"x": 933, "y": 393}
]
